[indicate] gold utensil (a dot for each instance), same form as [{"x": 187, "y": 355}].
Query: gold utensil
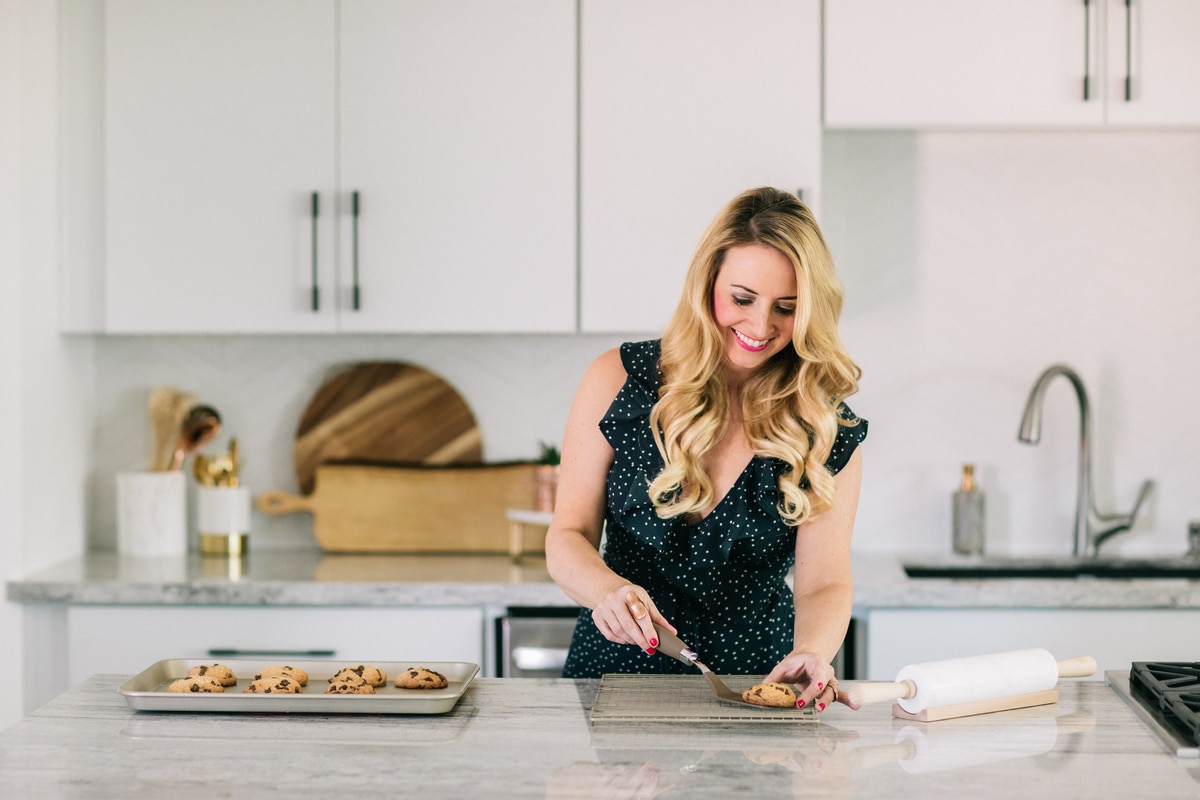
[{"x": 200, "y": 470}]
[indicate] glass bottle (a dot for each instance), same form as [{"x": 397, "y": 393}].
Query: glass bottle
[{"x": 968, "y": 515}]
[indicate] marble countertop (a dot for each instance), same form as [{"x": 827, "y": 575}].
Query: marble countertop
[
  {"x": 518, "y": 738},
  {"x": 293, "y": 578},
  {"x": 300, "y": 578}
]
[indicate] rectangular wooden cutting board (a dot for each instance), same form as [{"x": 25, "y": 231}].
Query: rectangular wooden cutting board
[{"x": 370, "y": 508}]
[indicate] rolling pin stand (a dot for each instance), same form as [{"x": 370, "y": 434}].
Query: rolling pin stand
[{"x": 978, "y": 707}]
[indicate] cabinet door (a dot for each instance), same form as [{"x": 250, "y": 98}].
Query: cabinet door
[
  {"x": 896, "y": 638},
  {"x": 683, "y": 106},
  {"x": 127, "y": 639},
  {"x": 1152, "y": 49},
  {"x": 219, "y": 126},
  {"x": 458, "y": 133},
  {"x": 924, "y": 63}
]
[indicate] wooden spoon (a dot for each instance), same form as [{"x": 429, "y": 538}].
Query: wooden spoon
[{"x": 167, "y": 408}]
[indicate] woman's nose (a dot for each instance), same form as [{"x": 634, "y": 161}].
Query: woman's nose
[{"x": 760, "y": 319}]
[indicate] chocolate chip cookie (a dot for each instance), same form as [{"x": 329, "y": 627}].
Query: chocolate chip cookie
[
  {"x": 295, "y": 673},
  {"x": 349, "y": 684},
  {"x": 421, "y": 678},
  {"x": 195, "y": 683},
  {"x": 218, "y": 672},
  {"x": 770, "y": 694},
  {"x": 372, "y": 675},
  {"x": 274, "y": 684}
]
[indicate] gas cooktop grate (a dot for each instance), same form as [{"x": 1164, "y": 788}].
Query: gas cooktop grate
[{"x": 1173, "y": 689}]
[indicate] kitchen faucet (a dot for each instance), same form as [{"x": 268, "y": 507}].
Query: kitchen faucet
[{"x": 1091, "y": 527}]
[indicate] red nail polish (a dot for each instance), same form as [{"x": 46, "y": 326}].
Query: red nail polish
[
  {"x": 650, "y": 652},
  {"x": 799, "y": 704},
  {"x": 654, "y": 642},
  {"x": 820, "y": 685},
  {"x": 820, "y": 706}
]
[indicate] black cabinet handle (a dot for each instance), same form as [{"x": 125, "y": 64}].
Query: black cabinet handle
[
  {"x": 1087, "y": 49},
  {"x": 316, "y": 292},
  {"x": 1128, "y": 51},
  {"x": 356, "y": 207}
]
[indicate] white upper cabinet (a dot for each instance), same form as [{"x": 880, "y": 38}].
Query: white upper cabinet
[
  {"x": 452, "y": 121},
  {"x": 1017, "y": 63},
  {"x": 219, "y": 127},
  {"x": 1152, "y": 49},
  {"x": 458, "y": 129},
  {"x": 683, "y": 105}
]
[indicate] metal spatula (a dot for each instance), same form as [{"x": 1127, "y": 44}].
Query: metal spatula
[{"x": 669, "y": 644}]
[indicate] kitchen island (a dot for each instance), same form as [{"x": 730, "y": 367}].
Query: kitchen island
[{"x": 533, "y": 738}]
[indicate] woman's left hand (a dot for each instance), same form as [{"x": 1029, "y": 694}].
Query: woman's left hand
[{"x": 813, "y": 678}]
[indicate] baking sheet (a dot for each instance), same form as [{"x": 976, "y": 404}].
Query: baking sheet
[
  {"x": 662, "y": 698},
  {"x": 147, "y": 691}
]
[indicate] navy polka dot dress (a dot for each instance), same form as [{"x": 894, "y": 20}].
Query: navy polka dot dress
[{"x": 721, "y": 582}]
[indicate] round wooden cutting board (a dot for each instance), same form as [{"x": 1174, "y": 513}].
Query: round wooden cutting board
[{"x": 385, "y": 411}]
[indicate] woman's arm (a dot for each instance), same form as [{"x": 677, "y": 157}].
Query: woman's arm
[
  {"x": 573, "y": 539},
  {"x": 823, "y": 589}
]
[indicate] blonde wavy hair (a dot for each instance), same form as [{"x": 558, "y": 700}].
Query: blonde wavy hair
[{"x": 790, "y": 406}]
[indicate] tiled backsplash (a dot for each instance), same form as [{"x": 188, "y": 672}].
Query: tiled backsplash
[{"x": 972, "y": 261}]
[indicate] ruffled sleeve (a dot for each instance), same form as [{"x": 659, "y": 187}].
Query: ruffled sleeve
[
  {"x": 849, "y": 437},
  {"x": 636, "y": 459},
  {"x": 629, "y": 413}
]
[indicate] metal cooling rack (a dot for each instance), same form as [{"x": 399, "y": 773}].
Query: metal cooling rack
[{"x": 666, "y": 698}]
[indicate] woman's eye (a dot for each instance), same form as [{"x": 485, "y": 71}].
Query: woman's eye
[
  {"x": 786, "y": 311},
  {"x": 742, "y": 301}
]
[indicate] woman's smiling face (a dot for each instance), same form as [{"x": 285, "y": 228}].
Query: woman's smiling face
[{"x": 754, "y": 303}]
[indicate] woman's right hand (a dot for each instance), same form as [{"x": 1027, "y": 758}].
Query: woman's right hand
[{"x": 626, "y": 615}]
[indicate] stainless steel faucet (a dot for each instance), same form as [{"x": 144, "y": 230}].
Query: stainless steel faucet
[{"x": 1091, "y": 527}]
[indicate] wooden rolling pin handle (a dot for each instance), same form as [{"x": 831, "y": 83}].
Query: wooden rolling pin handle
[
  {"x": 861, "y": 693},
  {"x": 1077, "y": 667}
]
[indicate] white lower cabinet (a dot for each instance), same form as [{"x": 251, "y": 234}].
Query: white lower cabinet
[
  {"x": 1114, "y": 637},
  {"x": 127, "y": 639}
]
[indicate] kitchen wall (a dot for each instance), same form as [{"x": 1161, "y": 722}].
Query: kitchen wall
[
  {"x": 971, "y": 260},
  {"x": 45, "y": 394}
]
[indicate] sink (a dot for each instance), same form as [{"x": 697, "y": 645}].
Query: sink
[{"x": 1060, "y": 568}]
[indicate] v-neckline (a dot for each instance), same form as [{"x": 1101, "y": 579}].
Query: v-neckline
[{"x": 725, "y": 497}]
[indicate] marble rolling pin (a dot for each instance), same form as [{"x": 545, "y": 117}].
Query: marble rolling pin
[{"x": 958, "y": 681}]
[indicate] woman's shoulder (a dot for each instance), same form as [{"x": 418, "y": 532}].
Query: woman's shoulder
[
  {"x": 612, "y": 368},
  {"x": 604, "y": 376}
]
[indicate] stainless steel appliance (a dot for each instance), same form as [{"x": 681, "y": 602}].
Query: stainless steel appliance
[{"x": 532, "y": 642}]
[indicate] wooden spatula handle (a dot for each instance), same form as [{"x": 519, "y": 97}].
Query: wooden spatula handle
[
  {"x": 1077, "y": 667},
  {"x": 861, "y": 693}
]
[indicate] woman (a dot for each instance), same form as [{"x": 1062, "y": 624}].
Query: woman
[{"x": 714, "y": 459}]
